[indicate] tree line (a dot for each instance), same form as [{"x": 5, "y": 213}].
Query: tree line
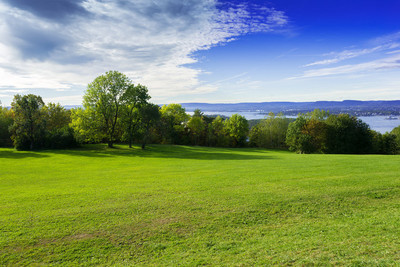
[
  {"x": 115, "y": 110},
  {"x": 321, "y": 132}
]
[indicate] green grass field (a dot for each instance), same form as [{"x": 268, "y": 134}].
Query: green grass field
[{"x": 177, "y": 205}]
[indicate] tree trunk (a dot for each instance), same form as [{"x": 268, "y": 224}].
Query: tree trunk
[
  {"x": 145, "y": 138},
  {"x": 144, "y": 141},
  {"x": 110, "y": 144}
]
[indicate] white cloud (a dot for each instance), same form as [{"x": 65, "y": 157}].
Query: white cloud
[
  {"x": 348, "y": 54},
  {"x": 381, "y": 44},
  {"x": 151, "y": 41},
  {"x": 392, "y": 62}
]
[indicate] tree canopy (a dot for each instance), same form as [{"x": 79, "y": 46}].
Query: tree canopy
[
  {"x": 29, "y": 124},
  {"x": 104, "y": 98}
]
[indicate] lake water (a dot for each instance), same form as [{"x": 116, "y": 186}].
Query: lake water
[{"x": 377, "y": 123}]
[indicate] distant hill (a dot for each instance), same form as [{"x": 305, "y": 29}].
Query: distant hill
[{"x": 354, "y": 107}]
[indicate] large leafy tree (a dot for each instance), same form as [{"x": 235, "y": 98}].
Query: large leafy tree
[
  {"x": 149, "y": 116},
  {"x": 59, "y": 134},
  {"x": 296, "y": 140},
  {"x": 104, "y": 99},
  {"x": 86, "y": 123},
  {"x": 28, "y": 129},
  {"x": 237, "y": 128},
  {"x": 56, "y": 116},
  {"x": 271, "y": 132},
  {"x": 348, "y": 135},
  {"x": 136, "y": 98},
  {"x": 172, "y": 126},
  {"x": 216, "y": 133},
  {"x": 196, "y": 127},
  {"x": 308, "y": 133}
]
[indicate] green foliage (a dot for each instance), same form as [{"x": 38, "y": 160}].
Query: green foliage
[
  {"x": 317, "y": 114},
  {"x": 60, "y": 138},
  {"x": 104, "y": 99},
  {"x": 58, "y": 132},
  {"x": 318, "y": 132},
  {"x": 396, "y": 132},
  {"x": 149, "y": 116},
  {"x": 295, "y": 137},
  {"x": 6, "y": 121},
  {"x": 237, "y": 128},
  {"x": 187, "y": 206},
  {"x": 348, "y": 135},
  {"x": 216, "y": 133},
  {"x": 28, "y": 129},
  {"x": 197, "y": 113},
  {"x": 136, "y": 97},
  {"x": 39, "y": 126},
  {"x": 86, "y": 123},
  {"x": 56, "y": 116},
  {"x": 384, "y": 143},
  {"x": 271, "y": 132},
  {"x": 196, "y": 127},
  {"x": 308, "y": 133},
  {"x": 172, "y": 124}
]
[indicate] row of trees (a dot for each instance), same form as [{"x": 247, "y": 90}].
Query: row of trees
[
  {"x": 116, "y": 110},
  {"x": 320, "y": 132},
  {"x": 30, "y": 124}
]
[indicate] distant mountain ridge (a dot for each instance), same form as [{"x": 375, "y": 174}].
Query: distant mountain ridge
[{"x": 355, "y": 107}]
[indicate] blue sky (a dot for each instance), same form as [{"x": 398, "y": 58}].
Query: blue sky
[{"x": 203, "y": 51}]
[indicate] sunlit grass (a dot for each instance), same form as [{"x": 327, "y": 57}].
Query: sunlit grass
[{"x": 171, "y": 205}]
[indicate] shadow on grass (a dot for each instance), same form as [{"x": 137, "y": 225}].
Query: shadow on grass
[
  {"x": 166, "y": 151},
  {"x": 12, "y": 154}
]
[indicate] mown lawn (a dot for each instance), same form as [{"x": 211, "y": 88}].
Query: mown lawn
[{"x": 178, "y": 205}]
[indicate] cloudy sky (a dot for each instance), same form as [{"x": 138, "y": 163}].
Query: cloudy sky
[{"x": 203, "y": 50}]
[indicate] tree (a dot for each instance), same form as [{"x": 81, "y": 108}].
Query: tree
[
  {"x": 271, "y": 132},
  {"x": 149, "y": 115},
  {"x": 59, "y": 133},
  {"x": 384, "y": 143},
  {"x": 86, "y": 123},
  {"x": 196, "y": 127},
  {"x": 396, "y": 132},
  {"x": 136, "y": 97},
  {"x": 172, "y": 124},
  {"x": 307, "y": 134},
  {"x": 317, "y": 114},
  {"x": 56, "y": 116},
  {"x": 197, "y": 113},
  {"x": 28, "y": 129},
  {"x": 296, "y": 140},
  {"x": 6, "y": 121},
  {"x": 216, "y": 133},
  {"x": 348, "y": 135},
  {"x": 316, "y": 130},
  {"x": 105, "y": 96},
  {"x": 237, "y": 128}
]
